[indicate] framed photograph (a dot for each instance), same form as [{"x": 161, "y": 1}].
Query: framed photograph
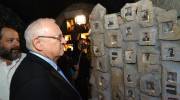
[
  {"x": 130, "y": 94},
  {"x": 167, "y": 23},
  {"x": 151, "y": 84},
  {"x": 168, "y": 50},
  {"x": 130, "y": 75},
  {"x": 130, "y": 31},
  {"x": 129, "y": 11},
  {"x": 145, "y": 13},
  {"x": 116, "y": 57},
  {"x": 172, "y": 77},
  {"x": 130, "y": 52},
  {"x": 147, "y": 56},
  {"x": 111, "y": 21},
  {"x": 113, "y": 38},
  {"x": 148, "y": 36}
]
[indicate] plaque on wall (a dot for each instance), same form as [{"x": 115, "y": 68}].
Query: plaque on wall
[
  {"x": 145, "y": 13},
  {"x": 115, "y": 56},
  {"x": 130, "y": 52},
  {"x": 130, "y": 93},
  {"x": 147, "y": 55},
  {"x": 111, "y": 21},
  {"x": 147, "y": 36},
  {"x": 150, "y": 84},
  {"x": 113, "y": 38},
  {"x": 130, "y": 75},
  {"x": 129, "y": 11},
  {"x": 169, "y": 49},
  {"x": 167, "y": 22},
  {"x": 98, "y": 44},
  {"x": 170, "y": 78},
  {"x": 130, "y": 31}
]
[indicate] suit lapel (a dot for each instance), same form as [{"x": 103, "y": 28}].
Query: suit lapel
[{"x": 54, "y": 76}]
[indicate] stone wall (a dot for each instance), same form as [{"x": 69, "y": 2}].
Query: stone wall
[{"x": 136, "y": 53}]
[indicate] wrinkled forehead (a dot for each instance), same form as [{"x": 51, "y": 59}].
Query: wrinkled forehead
[{"x": 8, "y": 32}]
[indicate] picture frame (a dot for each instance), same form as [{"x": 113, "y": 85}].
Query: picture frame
[
  {"x": 150, "y": 84},
  {"x": 130, "y": 31},
  {"x": 145, "y": 14},
  {"x": 115, "y": 56},
  {"x": 128, "y": 12},
  {"x": 130, "y": 75},
  {"x": 170, "y": 79},
  {"x": 167, "y": 23},
  {"x": 147, "y": 56},
  {"x": 168, "y": 50},
  {"x": 113, "y": 38},
  {"x": 130, "y": 53},
  {"x": 148, "y": 36},
  {"x": 111, "y": 21}
]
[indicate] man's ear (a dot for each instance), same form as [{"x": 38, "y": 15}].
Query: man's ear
[{"x": 37, "y": 44}]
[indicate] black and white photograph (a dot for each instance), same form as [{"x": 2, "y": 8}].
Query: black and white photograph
[
  {"x": 111, "y": 21},
  {"x": 171, "y": 76}
]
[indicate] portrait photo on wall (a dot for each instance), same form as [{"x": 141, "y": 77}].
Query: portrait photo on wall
[
  {"x": 111, "y": 21},
  {"x": 145, "y": 15},
  {"x": 167, "y": 27},
  {"x": 148, "y": 37},
  {"x": 171, "y": 76},
  {"x": 128, "y": 11}
]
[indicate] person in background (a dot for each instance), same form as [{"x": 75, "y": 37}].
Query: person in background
[
  {"x": 10, "y": 57},
  {"x": 38, "y": 77},
  {"x": 66, "y": 63},
  {"x": 83, "y": 66}
]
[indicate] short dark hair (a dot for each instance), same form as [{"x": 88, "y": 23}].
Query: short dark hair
[{"x": 6, "y": 26}]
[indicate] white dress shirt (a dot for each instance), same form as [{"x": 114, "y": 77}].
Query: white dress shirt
[{"x": 6, "y": 73}]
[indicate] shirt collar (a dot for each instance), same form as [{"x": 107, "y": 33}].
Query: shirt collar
[{"x": 52, "y": 63}]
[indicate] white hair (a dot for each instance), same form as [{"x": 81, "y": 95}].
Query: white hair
[{"x": 35, "y": 29}]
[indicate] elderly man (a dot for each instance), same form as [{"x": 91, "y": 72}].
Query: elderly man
[
  {"x": 10, "y": 57},
  {"x": 38, "y": 77}
]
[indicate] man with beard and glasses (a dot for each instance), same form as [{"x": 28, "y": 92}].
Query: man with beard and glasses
[{"x": 10, "y": 57}]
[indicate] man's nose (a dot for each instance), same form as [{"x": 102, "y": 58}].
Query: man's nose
[
  {"x": 16, "y": 43},
  {"x": 63, "y": 41}
]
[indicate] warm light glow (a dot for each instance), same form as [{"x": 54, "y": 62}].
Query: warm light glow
[
  {"x": 67, "y": 37},
  {"x": 66, "y": 46},
  {"x": 80, "y": 19},
  {"x": 84, "y": 35}
]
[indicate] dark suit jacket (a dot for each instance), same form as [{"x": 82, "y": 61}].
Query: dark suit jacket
[{"x": 35, "y": 79}]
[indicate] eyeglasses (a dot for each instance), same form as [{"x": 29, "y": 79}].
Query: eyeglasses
[{"x": 59, "y": 37}]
